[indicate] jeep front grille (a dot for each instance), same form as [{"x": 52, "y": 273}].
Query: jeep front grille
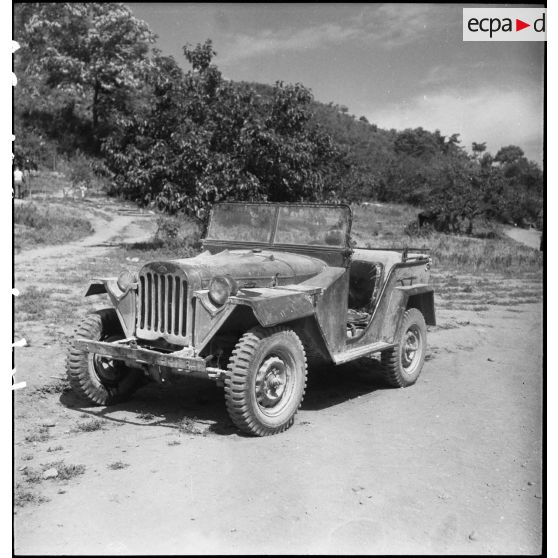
[{"x": 162, "y": 303}]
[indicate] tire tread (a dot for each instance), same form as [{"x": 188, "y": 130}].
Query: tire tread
[{"x": 236, "y": 396}]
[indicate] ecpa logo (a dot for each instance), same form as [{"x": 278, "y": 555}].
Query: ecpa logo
[{"x": 504, "y": 24}]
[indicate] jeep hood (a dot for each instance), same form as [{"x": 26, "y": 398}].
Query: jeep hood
[{"x": 250, "y": 267}]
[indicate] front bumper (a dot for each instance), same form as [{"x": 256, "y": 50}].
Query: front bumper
[{"x": 178, "y": 360}]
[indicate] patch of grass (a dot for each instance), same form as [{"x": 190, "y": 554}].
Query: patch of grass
[
  {"x": 24, "y": 496},
  {"x": 27, "y": 457},
  {"x": 41, "y": 434},
  {"x": 32, "y": 302},
  {"x": 117, "y": 465},
  {"x": 447, "y": 325},
  {"x": 89, "y": 426},
  {"x": 65, "y": 471},
  {"x": 55, "y": 448},
  {"x": 173, "y": 443},
  {"x": 188, "y": 425},
  {"x": 32, "y": 476},
  {"x": 146, "y": 416},
  {"x": 495, "y": 253},
  {"x": 502, "y": 255},
  {"x": 58, "y": 386},
  {"x": 40, "y": 224}
]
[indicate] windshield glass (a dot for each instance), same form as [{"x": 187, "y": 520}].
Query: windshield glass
[
  {"x": 307, "y": 225},
  {"x": 247, "y": 223}
]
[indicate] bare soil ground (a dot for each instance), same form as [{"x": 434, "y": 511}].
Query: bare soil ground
[
  {"x": 529, "y": 237},
  {"x": 450, "y": 465}
]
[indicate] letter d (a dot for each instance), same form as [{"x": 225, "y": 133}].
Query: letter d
[{"x": 541, "y": 21}]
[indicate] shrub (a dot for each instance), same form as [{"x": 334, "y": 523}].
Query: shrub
[{"x": 177, "y": 231}]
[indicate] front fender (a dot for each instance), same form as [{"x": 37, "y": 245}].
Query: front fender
[
  {"x": 124, "y": 302},
  {"x": 278, "y": 305}
]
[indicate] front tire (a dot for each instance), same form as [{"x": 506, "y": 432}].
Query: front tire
[
  {"x": 403, "y": 364},
  {"x": 266, "y": 380},
  {"x": 100, "y": 380}
]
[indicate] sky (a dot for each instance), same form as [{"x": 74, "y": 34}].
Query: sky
[{"x": 399, "y": 65}]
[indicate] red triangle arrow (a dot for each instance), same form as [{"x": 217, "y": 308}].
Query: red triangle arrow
[{"x": 519, "y": 25}]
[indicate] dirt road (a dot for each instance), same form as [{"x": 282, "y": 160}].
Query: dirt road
[
  {"x": 107, "y": 225},
  {"x": 529, "y": 237},
  {"x": 450, "y": 465}
]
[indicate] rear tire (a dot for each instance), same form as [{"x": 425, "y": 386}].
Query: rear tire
[
  {"x": 266, "y": 380},
  {"x": 100, "y": 380},
  {"x": 403, "y": 364}
]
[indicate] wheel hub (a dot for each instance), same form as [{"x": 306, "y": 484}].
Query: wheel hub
[
  {"x": 107, "y": 370},
  {"x": 271, "y": 381},
  {"x": 410, "y": 348}
]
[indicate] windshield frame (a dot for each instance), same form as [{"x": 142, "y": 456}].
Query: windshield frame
[{"x": 342, "y": 207}]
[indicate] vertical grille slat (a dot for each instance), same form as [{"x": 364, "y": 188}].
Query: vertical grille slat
[
  {"x": 162, "y": 303},
  {"x": 149, "y": 300},
  {"x": 177, "y": 313},
  {"x": 184, "y": 290},
  {"x": 141, "y": 299},
  {"x": 169, "y": 304},
  {"x": 155, "y": 302},
  {"x": 180, "y": 305},
  {"x": 163, "y": 281}
]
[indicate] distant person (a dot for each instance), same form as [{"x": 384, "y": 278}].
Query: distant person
[{"x": 18, "y": 182}]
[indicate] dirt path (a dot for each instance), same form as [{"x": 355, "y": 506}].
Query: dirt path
[
  {"x": 121, "y": 225},
  {"x": 529, "y": 237},
  {"x": 450, "y": 465}
]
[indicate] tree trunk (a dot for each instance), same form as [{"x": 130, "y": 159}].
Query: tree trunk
[
  {"x": 95, "y": 107},
  {"x": 95, "y": 110}
]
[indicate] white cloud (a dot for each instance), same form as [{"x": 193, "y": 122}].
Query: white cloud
[
  {"x": 393, "y": 25},
  {"x": 384, "y": 26},
  {"x": 485, "y": 114},
  {"x": 266, "y": 41}
]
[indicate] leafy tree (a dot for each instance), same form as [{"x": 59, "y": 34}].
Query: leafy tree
[
  {"x": 93, "y": 53},
  {"x": 478, "y": 149},
  {"x": 509, "y": 154},
  {"x": 200, "y": 139},
  {"x": 88, "y": 81}
]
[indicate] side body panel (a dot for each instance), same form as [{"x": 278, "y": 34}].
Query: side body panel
[
  {"x": 273, "y": 306},
  {"x": 404, "y": 280},
  {"x": 322, "y": 298},
  {"x": 331, "y": 307}
]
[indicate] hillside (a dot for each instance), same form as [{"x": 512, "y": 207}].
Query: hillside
[{"x": 179, "y": 140}]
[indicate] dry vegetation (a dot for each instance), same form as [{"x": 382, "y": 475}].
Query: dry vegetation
[
  {"x": 42, "y": 224},
  {"x": 379, "y": 226},
  {"x": 468, "y": 273}
]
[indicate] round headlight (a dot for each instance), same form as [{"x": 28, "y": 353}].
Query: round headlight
[
  {"x": 220, "y": 288},
  {"x": 125, "y": 280}
]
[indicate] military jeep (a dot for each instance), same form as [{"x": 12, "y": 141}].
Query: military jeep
[{"x": 277, "y": 288}]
